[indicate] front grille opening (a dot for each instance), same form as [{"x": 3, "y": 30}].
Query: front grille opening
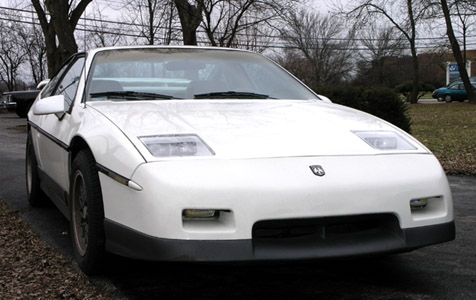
[{"x": 326, "y": 228}]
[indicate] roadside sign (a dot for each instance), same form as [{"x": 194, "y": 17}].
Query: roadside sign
[{"x": 452, "y": 71}]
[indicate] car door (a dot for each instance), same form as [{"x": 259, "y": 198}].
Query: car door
[
  {"x": 52, "y": 131},
  {"x": 460, "y": 93},
  {"x": 456, "y": 91}
]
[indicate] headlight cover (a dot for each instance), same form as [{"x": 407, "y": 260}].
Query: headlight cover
[
  {"x": 176, "y": 145},
  {"x": 385, "y": 140}
]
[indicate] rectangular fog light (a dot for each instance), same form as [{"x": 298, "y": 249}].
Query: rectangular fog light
[
  {"x": 200, "y": 214},
  {"x": 428, "y": 207},
  {"x": 208, "y": 221},
  {"x": 418, "y": 203}
]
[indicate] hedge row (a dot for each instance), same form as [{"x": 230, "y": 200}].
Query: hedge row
[{"x": 381, "y": 102}]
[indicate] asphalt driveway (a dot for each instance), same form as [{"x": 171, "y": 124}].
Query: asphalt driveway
[{"x": 446, "y": 271}]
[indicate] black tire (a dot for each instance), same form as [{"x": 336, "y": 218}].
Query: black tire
[
  {"x": 35, "y": 195},
  {"x": 21, "y": 109},
  {"x": 27, "y": 107},
  {"x": 448, "y": 98},
  {"x": 87, "y": 214}
]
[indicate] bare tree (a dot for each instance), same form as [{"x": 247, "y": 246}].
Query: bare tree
[
  {"x": 224, "y": 19},
  {"x": 324, "y": 42},
  {"x": 258, "y": 38},
  {"x": 153, "y": 19},
  {"x": 100, "y": 32},
  {"x": 34, "y": 44},
  {"x": 58, "y": 20},
  {"x": 382, "y": 44},
  {"x": 404, "y": 16},
  {"x": 465, "y": 19},
  {"x": 169, "y": 30},
  {"x": 12, "y": 54}
]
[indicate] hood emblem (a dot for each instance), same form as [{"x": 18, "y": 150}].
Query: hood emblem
[{"x": 318, "y": 170}]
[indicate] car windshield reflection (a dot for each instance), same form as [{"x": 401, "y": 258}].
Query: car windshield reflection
[{"x": 163, "y": 74}]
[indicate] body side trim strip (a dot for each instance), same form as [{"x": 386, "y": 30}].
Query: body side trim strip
[
  {"x": 118, "y": 177},
  {"x": 50, "y": 136}
]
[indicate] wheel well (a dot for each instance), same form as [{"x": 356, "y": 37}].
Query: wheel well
[{"x": 77, "y": 145}]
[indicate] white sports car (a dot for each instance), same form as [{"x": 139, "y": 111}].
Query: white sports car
[{"x": 209, "y": 154}]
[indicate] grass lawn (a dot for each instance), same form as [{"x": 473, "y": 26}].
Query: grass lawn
[{"x": 449, "y": 131}]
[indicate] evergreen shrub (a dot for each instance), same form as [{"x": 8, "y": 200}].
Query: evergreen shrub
[
  {"x": 380, "y": 102},
  {"x": 405, "y": 89}
]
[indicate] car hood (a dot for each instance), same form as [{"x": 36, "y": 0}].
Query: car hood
[{"x": 250, "y": 129}]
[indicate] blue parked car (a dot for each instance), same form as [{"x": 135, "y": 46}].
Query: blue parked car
[{"x": 455, "y": 91}]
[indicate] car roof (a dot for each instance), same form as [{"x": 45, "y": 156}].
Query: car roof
[{"x": 95, "y": 50}]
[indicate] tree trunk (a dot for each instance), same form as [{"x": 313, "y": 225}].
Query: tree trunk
[
  {"x": 415, "y": 64},
  {"x": 190, "y": 18},
  {"x": 416, "y": 75},
  {"x": 457, "y": 54}
]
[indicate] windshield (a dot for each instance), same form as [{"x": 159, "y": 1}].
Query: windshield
[{"x": 185, "y": 73}]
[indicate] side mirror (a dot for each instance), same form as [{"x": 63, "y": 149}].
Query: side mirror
[
  {"x": 42, "y": 84},
  {"x": 49, "y": 105},
  {"x": 324, "y": 98}
]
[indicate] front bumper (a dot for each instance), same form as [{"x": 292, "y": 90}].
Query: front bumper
[
  {"x": 372, "y": 241},
  {"x": 7, "y": 103},
  {"x": 277, "y": 208}
]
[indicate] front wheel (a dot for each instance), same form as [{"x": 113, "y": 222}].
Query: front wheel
[
  {"x": 448, "y": 99},
  {"x": 87, "y": 214},
  {"x": 35, "y": 195}
]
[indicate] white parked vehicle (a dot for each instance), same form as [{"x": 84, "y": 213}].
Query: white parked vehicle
[{"x": 210, "y": 154}]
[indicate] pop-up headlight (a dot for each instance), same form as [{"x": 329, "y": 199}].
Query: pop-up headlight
[
  {"x": 385, "y": 140},
  {"x": 176, "y": 145}
]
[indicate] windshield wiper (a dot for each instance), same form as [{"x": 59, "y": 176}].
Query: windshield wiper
[
  {"x": 231, "y": 95},
  {"x": 130, "y": 95}
]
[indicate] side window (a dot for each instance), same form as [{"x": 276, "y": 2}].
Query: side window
[
  {"x": 50, "y": 87},
  {"x": 69, "y": 82}
]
